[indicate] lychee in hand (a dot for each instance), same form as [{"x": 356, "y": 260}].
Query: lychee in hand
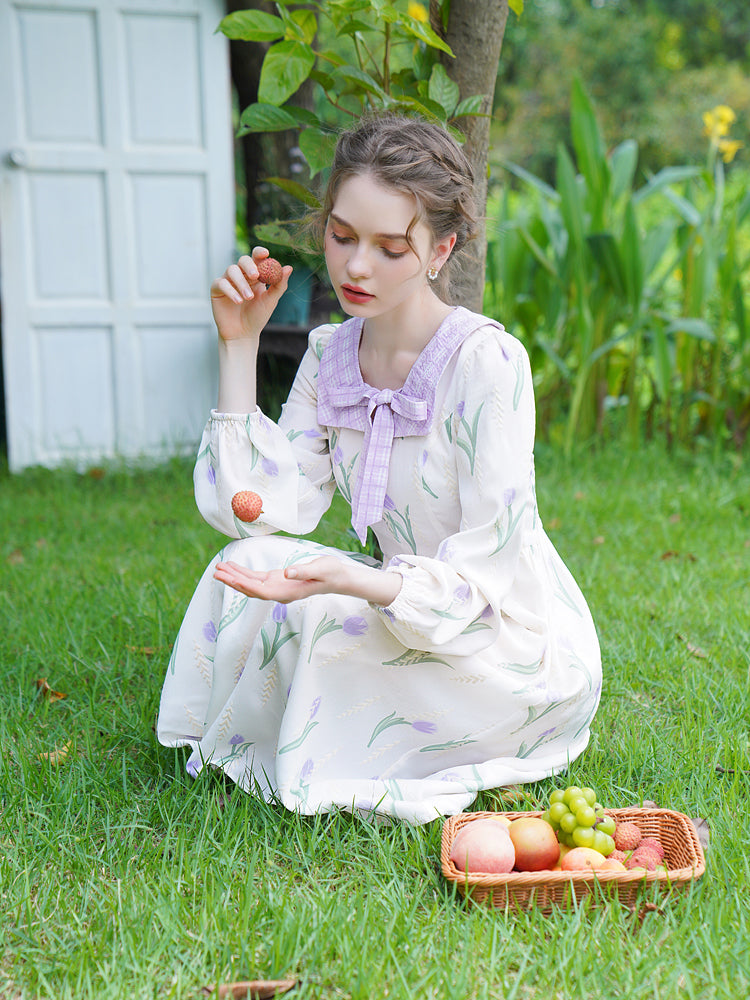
[
  {"x": 269, "y": 271},
  {"x": 247, "y": 506}
]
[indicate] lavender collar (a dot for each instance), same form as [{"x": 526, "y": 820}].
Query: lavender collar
[{"x": 346, "y": 400}]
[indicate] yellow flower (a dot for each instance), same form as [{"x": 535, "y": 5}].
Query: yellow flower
[
  {"x": 718, "y": 121},
  {"x": 728, "y": 149},
  {"x": 417, "y": 11}
]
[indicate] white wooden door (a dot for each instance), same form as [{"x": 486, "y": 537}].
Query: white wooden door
[{"x": 116, "y": 210}]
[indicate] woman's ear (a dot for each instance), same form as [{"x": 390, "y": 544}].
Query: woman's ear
[{"x": 442, "y": 251}]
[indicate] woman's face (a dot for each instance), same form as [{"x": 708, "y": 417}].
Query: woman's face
[{"x": 372, "y": 267}]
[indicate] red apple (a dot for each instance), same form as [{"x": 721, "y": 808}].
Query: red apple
[
  {"x": 535, "y": 844},
  {"x": 483, "y": 845}
]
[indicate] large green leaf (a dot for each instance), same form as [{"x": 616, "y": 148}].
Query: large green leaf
[
  {"x": 252, "y": 26},
  {"x": 285, "y": 68},
  {"x": 623, "y": 162},
  {"x": 606, "y": 254},
  {"x": 471, "y": 106},
  {"x": 425, "y": 34},
  {"x": 632, "y": 258},
  {"x": 571, "y": 198},
  {"x": 296, "y": 190},
  {"x": 356, "y": 81},
  {"x": 317, "y": 148},
  {"x": 304, "y": 26},
  {"x": 443, "y": 90},
  {"x": 590, "y": 152},
  {"x": 265, "y": 118}
]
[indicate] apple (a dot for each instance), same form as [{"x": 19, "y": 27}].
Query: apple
[
  {"x": 582, "y": 859},
  {"x": 535, "y": 844},
  {"x": 483, "y": 845}
]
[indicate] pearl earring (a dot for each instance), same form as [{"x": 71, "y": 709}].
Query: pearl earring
[{"x": 432, "y": 273}]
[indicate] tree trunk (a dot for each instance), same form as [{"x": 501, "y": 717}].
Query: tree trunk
[{"x": 474, "y": 32}]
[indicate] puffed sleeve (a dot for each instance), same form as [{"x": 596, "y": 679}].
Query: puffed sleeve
[
  {"x": 287, "y": 464},
  {"x": 455, "y": 601}
]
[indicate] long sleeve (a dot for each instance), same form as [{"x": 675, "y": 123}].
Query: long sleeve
[
  {"x": 455, "y": 601},
  {"x": 287, "y": 464}
]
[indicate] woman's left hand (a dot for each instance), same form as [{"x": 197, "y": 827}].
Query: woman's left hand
[{"x": 325, "y": 575}]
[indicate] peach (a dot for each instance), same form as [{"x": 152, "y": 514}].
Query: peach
[
  {"x": 582, "y": 859},
  {"x": 612, "y": 865},
  {"x": 483, "y": 845},
  {"x": 535, "y": 844}
]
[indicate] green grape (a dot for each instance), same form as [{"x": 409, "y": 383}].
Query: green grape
[
  {"x": 545, "y": 817},
  {"x": 566, "y": 838},
  {"x": 556, "y": 796},
  {"x": 607, "y": 825},
  {"x": 583, "y": 836},
  {"x": 568, "y": 822},
  {"x": 576, "y": 803},
  {"x": 587, "y": 817},
  {"x": 556, "y": 812},
  {"x": 603, "y": 843},
  {"x": 589, "y": 794},
  {"x": 571, "y": 792}
]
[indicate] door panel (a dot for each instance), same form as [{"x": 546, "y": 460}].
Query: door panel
[{"x": 116, "y": 211}]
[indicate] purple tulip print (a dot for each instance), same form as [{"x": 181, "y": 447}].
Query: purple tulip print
[
  {"x": 354, "y": 625},
  {"x": 209, "y": 631}
]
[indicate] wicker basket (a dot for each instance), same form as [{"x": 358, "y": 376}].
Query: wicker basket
[{"x": 683, "y": 857}]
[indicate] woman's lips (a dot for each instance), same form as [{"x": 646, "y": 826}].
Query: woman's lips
[{"x": 357, "y": 295}]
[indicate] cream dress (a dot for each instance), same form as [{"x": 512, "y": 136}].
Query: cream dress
[{"x": 484, "y": 671}]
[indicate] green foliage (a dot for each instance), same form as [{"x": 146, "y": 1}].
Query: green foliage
[
  {"x": 361, "y": 55},
  {"x": 627, "y": 297},
  {"x": 652, "y": 67}
]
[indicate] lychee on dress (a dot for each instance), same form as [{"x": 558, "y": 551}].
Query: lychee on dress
[{"x": 484, "y": 671}]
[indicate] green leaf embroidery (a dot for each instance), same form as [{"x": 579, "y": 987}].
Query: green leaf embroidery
[
  {"x": 272, "y": 646},
  {"x": 448, "y": 745},
  {"x": 385, "y": 723},
  {"x": 235, "y": 610},
  {"x": 412, "y": 656},
  {"x": 323, "y": 627},
  {"x": 300, "y": 739}
]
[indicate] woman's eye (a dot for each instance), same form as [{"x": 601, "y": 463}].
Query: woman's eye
[
  {"x": 393, "y": 253},
  {"x": 340, "y": 239}
]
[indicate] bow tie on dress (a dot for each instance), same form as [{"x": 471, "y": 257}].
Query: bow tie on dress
[
  {"x": 382, "y": 414},
  {"x": 346, "y": 400}
]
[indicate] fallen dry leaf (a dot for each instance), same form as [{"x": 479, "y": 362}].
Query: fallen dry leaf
[
  {"x": 695, "y": 650},
  {"x": 598, "y": 540},
  {"x": 146, "y": 650},
  {"x": 703, "y": 831},
  {"x": 56, "y": 756},
  {"x": 16, "y": 557},
  {"x": 45, "y": 691},
  {"x": 554, "y": 523},
  {"x": 253, "y": 989},
  {"x": 675, "y": 518}
]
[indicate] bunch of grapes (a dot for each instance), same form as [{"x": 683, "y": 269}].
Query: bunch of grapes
[{"x": 579, "y": 820}]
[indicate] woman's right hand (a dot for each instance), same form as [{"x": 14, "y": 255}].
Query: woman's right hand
[{"x": 241, "y": 304}]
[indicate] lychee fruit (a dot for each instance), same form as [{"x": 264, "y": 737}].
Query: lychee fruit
[
  {"x": 618, "y": 855},
  {"x": 627, "y": 836},
  {"x": 247, "y": 506},
  {"x": 652, "y": 844},
  {"x": 269, "y": 271},
  {"x": 647, "y": 858}
]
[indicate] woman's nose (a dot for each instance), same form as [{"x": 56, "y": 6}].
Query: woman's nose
[{"x": 358, "y": 264}]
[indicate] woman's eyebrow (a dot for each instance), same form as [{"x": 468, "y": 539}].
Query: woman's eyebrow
[{"x": 380, "y": 236}]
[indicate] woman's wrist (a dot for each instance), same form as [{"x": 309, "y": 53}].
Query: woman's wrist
[{"x": 374, "y": 585}]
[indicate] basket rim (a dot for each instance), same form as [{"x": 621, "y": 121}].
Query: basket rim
[{"x": 548, "y": 877}]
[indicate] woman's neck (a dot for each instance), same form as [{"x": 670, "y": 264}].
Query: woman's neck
[{"x": 390, "y": 344}]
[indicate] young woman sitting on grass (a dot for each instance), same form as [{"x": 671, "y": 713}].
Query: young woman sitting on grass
[{"x": 468, "y": 659}]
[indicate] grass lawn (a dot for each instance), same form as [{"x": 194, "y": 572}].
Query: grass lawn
[{"x": 122, "y": 878}]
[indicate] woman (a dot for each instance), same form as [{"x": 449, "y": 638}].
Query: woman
[{"x": 468, "y": 659}]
